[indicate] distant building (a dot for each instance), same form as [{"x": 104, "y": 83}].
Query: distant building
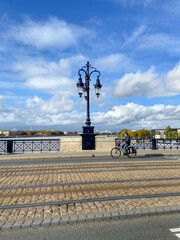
[
  {"x": 7, "y": 133},
  {"x": 4, "y": 133},
  {"x": 15, "y": 133},
  {"x": 161, "y": 133}
]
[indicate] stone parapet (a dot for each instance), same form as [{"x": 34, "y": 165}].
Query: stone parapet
[
  {"x": 71, "y": 144},
  {"x": 104, "y": 143},
  {"x": 74, "y": 144}
]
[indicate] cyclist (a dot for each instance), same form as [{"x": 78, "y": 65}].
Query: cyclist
[{"x": 127, "y": 142}]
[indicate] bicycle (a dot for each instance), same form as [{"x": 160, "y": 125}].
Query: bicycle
[{"x": 118, "y": 150}]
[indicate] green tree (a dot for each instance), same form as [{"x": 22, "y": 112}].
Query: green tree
[
  {"x": 23, "y": 133},
  {"x": 134, "y": 134},
  {"x": 168, "y": 132},
  {"x": 121, "y": 133},
  {"x": 143, "y": 133},
  {"x": 174, "y": 134}
]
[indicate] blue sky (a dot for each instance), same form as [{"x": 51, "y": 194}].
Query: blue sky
[{"x": 135, "y": 44}]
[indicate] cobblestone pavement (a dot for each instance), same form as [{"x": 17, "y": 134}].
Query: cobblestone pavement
[{"x": 57, "y": 190}]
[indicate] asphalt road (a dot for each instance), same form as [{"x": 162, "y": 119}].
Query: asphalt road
[
  {"x": 144, "y": 228},
  {"x": 84, "y": 160}
]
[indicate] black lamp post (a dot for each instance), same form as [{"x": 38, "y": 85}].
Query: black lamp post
[{"x": 88, "y": 136}]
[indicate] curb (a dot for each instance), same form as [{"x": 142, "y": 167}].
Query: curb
[
  {"x": 86, "y": 156},
  {"x": 158, "y": 154},
  {"x": 55, "y": 157},
  {"x": 90, "y": 217}
]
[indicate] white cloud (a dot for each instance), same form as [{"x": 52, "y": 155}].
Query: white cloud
[
  {"x": 134, "y": 116},
  {"x": 144, "y": 38},
  {"x": 135, "y": 35},
  {"x": 114, "y": 63},
  {"x": 138, "y": 84},
  {"x": 135, "y": 2},
  {"x": 148, "y": 84},
  {"x": 53, "y": 33},
  {"x": 56, "y": 105},
  {"x": 49, "y": 76},
  {"x": 159, "y": 42},
  {"x": 2, "y": 98},
  {"x": 48, "y": 83},
  {"x": 172, "y": 8},
  {"x": 60, "y": 112},
  {"x": 39, "y": 112},
  {"x": 173, "y": 79}
]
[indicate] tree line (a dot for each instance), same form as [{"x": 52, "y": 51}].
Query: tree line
[
  {"x": 134, "y": 134},
  {"x": 143, "y": 133},
  {"x": 42, "y": 133}
]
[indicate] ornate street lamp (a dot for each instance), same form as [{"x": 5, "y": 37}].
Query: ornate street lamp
[
  {"x": 80, "y": 86},
  {"x": 88, "y": 130},
  {"x": 97, "y": 87}
]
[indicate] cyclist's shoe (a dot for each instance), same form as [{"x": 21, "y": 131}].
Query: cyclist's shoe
[{"x": 124, "y": 153}]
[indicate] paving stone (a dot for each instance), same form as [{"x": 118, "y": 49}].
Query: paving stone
[
  {"x": 55, "y": 220},
  {"x": 64, "y": 220},
  {"x": 123, "y": 214},
  {"x": 106, "y": 216},
  {"x": 119, "y": 214},
  {"x": 131, "y": 189},
  {"x": 46, "y": 221},
  {"x": 7, "y": 225},
  {"x": 167, "y": 209},
  {"x": 81, "y": 217},
  {"x": 130, "y": 213},
  {"x": 90, "y": 217},
  {"x": 145, "y": 212},
  {"x": 73, "y": 219},
  {"x": 152, "y": 211},
  {"x": 159, "y": 210},
  {"x": 114, "y": 214},
  {"x": 2, "y": 223},
  {"x": 178, "y": 207},
  {"x": 37, "y": 222},
  {"x": 27, "y": 223},
  {"x": 98, "y": 216},
  {"x": 137, "y": 212},
  {"x": 174, "y": 209},
  {"x": 18, "y": 223}
]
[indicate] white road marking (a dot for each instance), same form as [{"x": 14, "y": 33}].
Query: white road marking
[
  {"x": 175, "y": 229},
  {"x": 173, "y": 157}
]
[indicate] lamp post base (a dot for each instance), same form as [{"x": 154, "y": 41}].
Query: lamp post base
[{"x": 88, "y": 138}]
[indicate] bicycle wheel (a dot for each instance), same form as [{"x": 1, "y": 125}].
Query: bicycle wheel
[
  {"x": 115, "y": 152},
  {"x": 131, "y": 152}
]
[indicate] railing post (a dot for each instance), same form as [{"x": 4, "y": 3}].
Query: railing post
[
  {"x": 164, "y": 141},
  {"x": 154, "y": 145},
  {"x": 23, "y": 146},
  {"x": 177, "y": 144},
  {"x": 143, "y": 144},
  {"x": 137, "y": 145},
  {"x": 9, "y": 146},
  {"x": 170, "y": 144}
]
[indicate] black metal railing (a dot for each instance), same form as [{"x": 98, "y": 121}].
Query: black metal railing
[
  {"x": 29, "y": 145},
  {"x": 152, "y": 143}
]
